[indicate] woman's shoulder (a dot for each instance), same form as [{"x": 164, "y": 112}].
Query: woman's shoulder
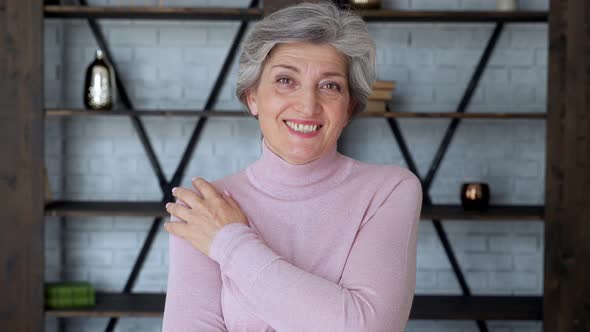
[
  {"x": 231, "y": 181},
  {"x": 386, "y": 174}
]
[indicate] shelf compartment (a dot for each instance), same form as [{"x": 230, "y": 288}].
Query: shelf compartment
[
  {"x": 423, "y": 307},
  {"x": 210, "y": 13},
  {"x": 157, "y": 209},
  {"x": 55, "y": 112}
]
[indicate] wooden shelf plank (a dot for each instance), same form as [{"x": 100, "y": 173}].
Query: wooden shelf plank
[
  {"x": 494, "y": 212},
  {"x": 105, "y": 208},
  {"x": 117, "y": 305},
  {"x": 231, "y": 113},
  {"x": 219, "y": 13},
  {"x": 162, "y": 113},
  {"x": 385, "y": 15},
  {"x": 156, "y": 209},
  {"x": 154, "y": 13},
  {"x": 424, "y": 307},
  {"x": 477, "y": 307}
]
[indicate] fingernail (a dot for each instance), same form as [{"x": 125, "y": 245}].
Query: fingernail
[
  {"x": 195, "y": 178},
  {"x": 167, "y": 204},
  {"x": 226, "y": 192},
  {"x": 173, "y": 190}
]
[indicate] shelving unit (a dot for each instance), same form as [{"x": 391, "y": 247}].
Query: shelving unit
[
  {"x": 25, "y": 247},
  {"x": 426, "y": 307}
]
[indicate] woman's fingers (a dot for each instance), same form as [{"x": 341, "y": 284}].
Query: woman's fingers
[
  {"x": 179, "y": 211},
  {"x": 177, "y": 228},
  {"x": 205, "y": 188},
  {"x": 230, "y": 200},
  {"x": 187, "y": 196}
]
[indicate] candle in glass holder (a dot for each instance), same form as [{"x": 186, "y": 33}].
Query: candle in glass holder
[
  {"x": 506, "y": 5},
  {"x": 475, "y": 196}
]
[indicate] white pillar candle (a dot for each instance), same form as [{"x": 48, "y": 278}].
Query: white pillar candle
[{"x": 506, "y": 5}]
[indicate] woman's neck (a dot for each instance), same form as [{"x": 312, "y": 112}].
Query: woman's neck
[{"x": 281, "y": 179}]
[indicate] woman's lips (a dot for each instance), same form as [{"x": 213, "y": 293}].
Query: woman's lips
[{"x": 303, "y": 123}]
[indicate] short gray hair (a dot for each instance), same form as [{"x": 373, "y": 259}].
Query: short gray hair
[{"x": 319, "y": 23}]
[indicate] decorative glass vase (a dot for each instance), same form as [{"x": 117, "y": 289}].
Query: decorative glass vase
[{"x": 99, "y": 87}]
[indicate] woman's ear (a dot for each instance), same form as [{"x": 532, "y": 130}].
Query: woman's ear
[{"x": 251, "y": 100}]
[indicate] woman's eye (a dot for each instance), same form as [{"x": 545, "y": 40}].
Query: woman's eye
[
  {"x": 332, "y": 86},
  {"x": 284, "y": 80}
]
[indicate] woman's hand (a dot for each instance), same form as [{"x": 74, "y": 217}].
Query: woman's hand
[{"x": 204, "y": 216}]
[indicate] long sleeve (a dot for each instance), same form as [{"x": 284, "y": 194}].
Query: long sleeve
[
  {"x": 193, "y": 297},
  {"x": 374, "y": 293}
]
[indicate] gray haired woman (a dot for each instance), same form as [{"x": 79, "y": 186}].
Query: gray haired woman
[{"x": 305, "y": 238}]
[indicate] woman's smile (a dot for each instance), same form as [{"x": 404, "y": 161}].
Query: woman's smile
[{"x": 303, "y": 128}]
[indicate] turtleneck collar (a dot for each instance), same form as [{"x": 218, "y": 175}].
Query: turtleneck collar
[{"x": 280, "y": 179}]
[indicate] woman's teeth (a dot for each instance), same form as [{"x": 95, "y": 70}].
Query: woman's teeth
[{"x": 302, "y": 128}]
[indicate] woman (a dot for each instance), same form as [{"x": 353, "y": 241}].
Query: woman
[{"x": 304, "y": 239}]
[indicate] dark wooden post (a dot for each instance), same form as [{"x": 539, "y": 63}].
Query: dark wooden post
[
  {"x": 21, "y": 165},
  {"x": 567, "y": 231}
]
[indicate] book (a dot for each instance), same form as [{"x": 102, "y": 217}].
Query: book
[
  {"x": 383, "y": 95},
  {"x": 375, "y": 106},
  {"x": 61, "y": 295},
  {"x": 383, "y": 85}
]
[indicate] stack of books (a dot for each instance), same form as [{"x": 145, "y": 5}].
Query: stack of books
[
  {"x": 69, "y": 295},
  {"x": 381, "y": 96}
]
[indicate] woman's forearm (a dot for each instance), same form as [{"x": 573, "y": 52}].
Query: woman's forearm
[
  {"x": 193, "y": 295},
  {"x": 376, "y": 289}
]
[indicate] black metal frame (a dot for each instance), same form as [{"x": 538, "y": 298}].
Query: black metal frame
[
  {"x": 441, "y": 151},
  {"x": 210, "y": 103},
  {"x": 165, "y": 186}
]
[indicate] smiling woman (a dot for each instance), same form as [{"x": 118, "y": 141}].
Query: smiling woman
[{"x": 305, "y": 238}]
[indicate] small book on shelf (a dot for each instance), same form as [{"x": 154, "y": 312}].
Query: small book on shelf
[
  {"x": 376, "y": 106},
  {"x": 380, "y": 95}
]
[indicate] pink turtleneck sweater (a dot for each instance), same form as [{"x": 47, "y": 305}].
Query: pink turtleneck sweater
[{"x": 331, "y": 247}]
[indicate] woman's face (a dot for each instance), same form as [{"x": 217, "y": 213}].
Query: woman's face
[{"x": 302, "y": 100}]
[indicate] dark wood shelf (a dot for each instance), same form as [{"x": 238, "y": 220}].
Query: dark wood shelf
[
  {"x": 105, "y": 208},
  {"x": 424, "y": 307},
  {"x": 385, "y": 15},
  {"x": 153, "y": 13},
  {"x": 477, "y": 307},
  {"x": 494, "y": 212},
  {"x": 117, "y": 305},
  {"x": 232, "y": 113},
  {"x": 156, "y": 209},
  {"x": 210, "y": 13},
  {"x": 163, "y": 113}
]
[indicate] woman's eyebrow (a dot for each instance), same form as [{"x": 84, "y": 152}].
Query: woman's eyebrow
[
  {"x": 295, "y": 69},
  {"x": 286, "y": 67}
]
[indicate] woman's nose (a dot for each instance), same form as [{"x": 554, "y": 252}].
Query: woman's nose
[{"x": 309, "y": 101}]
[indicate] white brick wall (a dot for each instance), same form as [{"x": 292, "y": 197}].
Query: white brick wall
[{"x": 167, "y": 64}]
